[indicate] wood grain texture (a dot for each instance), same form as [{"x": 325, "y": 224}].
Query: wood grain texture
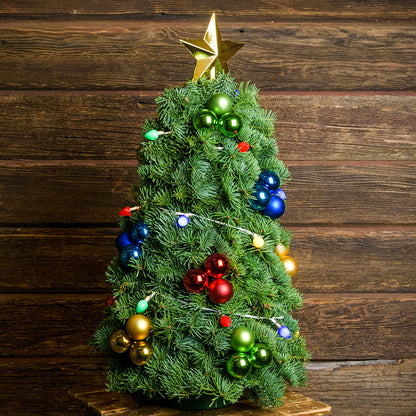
[
  {"x": 130, "y": 55},
  {"x": 364, "y": 388},
  {"x": 321, "y": 193},
  {"x": 337, "y": 260},
  {"x": 335, "y": 326},
  {"x": 39, "y": 386},
  {"x": 244, "y": 9},
  {"x": 109, "y": 126},
  {"x": 354, "y": 259}
]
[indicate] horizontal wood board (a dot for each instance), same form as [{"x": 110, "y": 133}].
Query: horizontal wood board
[
  {"x": 104, "y": 403},
  {"x": 348, "y": 136},
  {"x": 316, "y": 126},
  {"x": 339, "y": 326},
  {"x": 243, "y": 9},
  {"x": 351, "y": 388},
  {"x": 129, "y": 55},
  {"x": 321, "y": 193},
  {"x": 338, "y": 260}
]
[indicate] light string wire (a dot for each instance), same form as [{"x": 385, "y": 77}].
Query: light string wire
[
  {"x": 190, "y": 214},
  {"x": 273, "y": 319}
]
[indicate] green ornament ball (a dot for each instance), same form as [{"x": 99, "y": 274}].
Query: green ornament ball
[
  {"x": 242, "y": 339},
  {"x": 205, "y": 119},
  {"x": 230, "y": 124},
  {"x": 219, "y": 103},
  {"x": 239, "y": 365},
  {"x": 260, "y": 356},
  {"x": 141, "y": 306}
]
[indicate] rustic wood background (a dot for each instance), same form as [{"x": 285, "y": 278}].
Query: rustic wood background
[{"x": 77, "y": 78}]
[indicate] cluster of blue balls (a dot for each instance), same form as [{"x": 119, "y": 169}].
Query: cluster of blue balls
[
  {"x": 128, "y": 243},
  {"x": 267, "y": 197}
]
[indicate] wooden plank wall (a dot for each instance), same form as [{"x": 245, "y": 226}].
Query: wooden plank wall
[{"x": 78, "y": 78}]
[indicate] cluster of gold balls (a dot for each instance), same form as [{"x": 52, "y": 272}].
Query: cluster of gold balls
[
  {"x": 132, "y": 339},
  {"x": 289, "y": 263}
]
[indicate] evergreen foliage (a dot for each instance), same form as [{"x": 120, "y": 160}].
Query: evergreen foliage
[{"x": 202, "y": 172}]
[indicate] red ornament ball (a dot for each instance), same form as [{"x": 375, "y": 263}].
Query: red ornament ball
[
  {"x": 216, "y": 265},
  {"x": 220, "y": 291},
  {"x": 195, "y": 280},
  {"x": 243, "y": 147},
  {"x": 225, "y": 321}
]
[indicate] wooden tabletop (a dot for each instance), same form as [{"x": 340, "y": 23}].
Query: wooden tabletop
[{"x": 105, "y": 403}]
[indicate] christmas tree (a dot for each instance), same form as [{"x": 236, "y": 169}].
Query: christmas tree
[{"x": 202, "y": 291}]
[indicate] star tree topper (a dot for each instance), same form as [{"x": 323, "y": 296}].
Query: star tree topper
[{"x": 211, "y": 52}]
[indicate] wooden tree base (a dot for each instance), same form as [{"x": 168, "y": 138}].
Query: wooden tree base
[{"x": 107, "y": 403}]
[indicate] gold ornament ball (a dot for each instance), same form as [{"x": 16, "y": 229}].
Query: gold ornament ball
[
  {"x": 141, "y": 352},
  {"x": 119, "y": 341},
  {"x": 138, "y": 327},
  {"x": 258, "y": 242},
  {"x": 290, "y": 265},
  {"x": 281, "y": 250}
]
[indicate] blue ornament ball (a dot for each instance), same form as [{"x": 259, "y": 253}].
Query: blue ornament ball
[
  {"x": 129, "y": 252},
  {"x": 275, "y": 208},
  {"x": 284, "y": 332},
  {"x": 269, "y": 180},
  {"x": 280, "y": 193},
  {"x": 123, "y": 240},
  {"x": 139, "y": 232},
  {"x": 260, "y": 198}
]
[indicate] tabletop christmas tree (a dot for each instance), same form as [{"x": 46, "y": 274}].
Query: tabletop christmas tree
[{"x": 202, "y": 295}]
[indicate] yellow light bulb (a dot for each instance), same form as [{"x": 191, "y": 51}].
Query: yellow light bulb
[{"x": 258, "y": 242}]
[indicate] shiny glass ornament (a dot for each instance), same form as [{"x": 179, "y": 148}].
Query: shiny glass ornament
[
  {"x": 269, "y": 180},
  {"x": 219, "y": 103},
  {"x": 275, "y": 208},
  {"x": 260, "y": 356},
  {"x": 120, "y": 341},
  {"x": 281, "y": 250},
  {"x": 123, "y": 240},
  {"x": 139, "y": 232},
  {"x": 195, "y": 280},
  {"x": 290, "y": 265},
  {"x": 132, "y": 251},
  {"x": 284, "y": 332},
  {"x": 138, "y": 327},
  {"x": 242, "y": 339},
  {"x": 230, "y": 124},
  {"x": 220, "y": 291},
  {"x": 281, "y": 194},
  {"x": 141, "y": 352},
  {"x": 239, "y": 365},
  {"x": 205, "y": 119},
  {"x": 216, "y": 265},
  {"x": 260, "y": 198}
]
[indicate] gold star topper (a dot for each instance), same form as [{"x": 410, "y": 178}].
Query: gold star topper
[{"x": 211, "y": 52}]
